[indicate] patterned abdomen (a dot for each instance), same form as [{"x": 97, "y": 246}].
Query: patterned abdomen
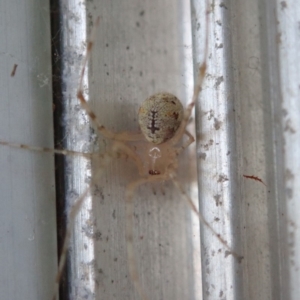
[{"x": 160, "y": 116}]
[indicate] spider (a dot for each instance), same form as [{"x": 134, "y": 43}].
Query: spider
[{"x": 163, "y": 123}]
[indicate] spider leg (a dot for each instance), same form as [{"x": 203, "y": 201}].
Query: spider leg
[
  {"x": 133, "y": 271},
  {"x": 197, "y": 88},
  {"x": 203, "y": 220},
  {"x": 106, "y": 159},
  {"x": 119, "y": 150},
  {"x": 124, "y": 136},
  {"x": 46, "y": 149},
  {"x": 62, "y": 261},
  {"x": 104, "y": 131},
  {"x": 190, "y": 140}
]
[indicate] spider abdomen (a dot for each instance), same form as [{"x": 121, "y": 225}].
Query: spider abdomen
[{"x": 160, "y": 116}]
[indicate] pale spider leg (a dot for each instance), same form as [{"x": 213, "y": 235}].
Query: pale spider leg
[
  {"x": 190, "y": 140},
  {"x": 197, "y": 88},
  {"x": 62, "y": 151},
  {"x": 124, "y": 136},
  {"x": 133, "y": 271},
  {"x": 119, "y": 150},
  {"x": 71, "y": 218},
  {"x": 62, "y": 260},
  {"x": 46, "y": 149},
  {"x": 182, "y": 130},
  {"x": 76, "y": 207},
  {"x": 203, "y": 220}
]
